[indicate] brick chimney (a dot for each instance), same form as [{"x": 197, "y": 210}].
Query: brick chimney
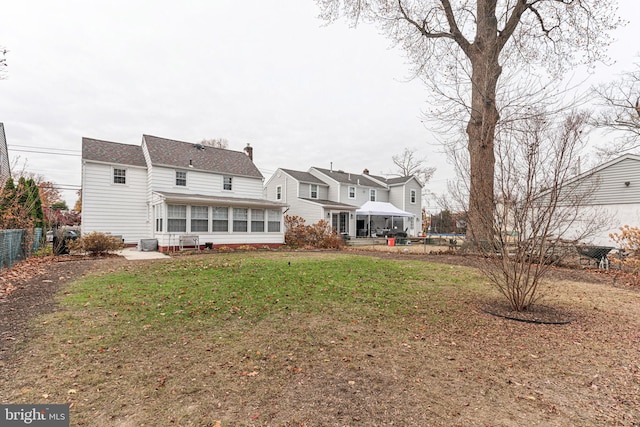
[
  {"x": 365, "y": 172},
  {"x": 249, "y": 150}
]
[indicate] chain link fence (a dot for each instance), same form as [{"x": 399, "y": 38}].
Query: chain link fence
[{"x": 16, "y": 245}]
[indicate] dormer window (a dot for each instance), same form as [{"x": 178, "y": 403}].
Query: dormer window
[{"x": 181, "y": 179}]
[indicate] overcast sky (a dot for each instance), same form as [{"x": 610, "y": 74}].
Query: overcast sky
[{"x": 264, "y": 72}]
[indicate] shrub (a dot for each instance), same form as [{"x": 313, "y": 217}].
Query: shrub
[
  {"x": 629, "y": 245},
  {"x": 319, "y": 235},
  {"x": 96, "y": 243}
]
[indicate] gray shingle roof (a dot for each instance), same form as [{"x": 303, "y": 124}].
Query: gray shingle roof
[
  {"x": 349, "y": 178},
  {"x": 329, "y": 203},
  {"x": 112, "y": 152},
  {"x": 168, "y": 152},
  {"x": 304, "y": 177}
]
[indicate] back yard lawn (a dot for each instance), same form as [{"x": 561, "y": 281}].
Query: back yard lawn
[{"x": 323, "y": 339}]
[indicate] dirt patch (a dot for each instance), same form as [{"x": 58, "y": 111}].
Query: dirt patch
[{"x": 28, "y": 289}]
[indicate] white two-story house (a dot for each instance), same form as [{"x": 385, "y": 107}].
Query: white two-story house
[
  {"x": 176, "y": 192},
  {"x": 354, "y": 204}
]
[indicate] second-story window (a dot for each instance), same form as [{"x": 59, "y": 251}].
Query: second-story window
[
  {"x": 372, "y": 195},
  {"x": 227, "y": 183},
  {"x": 314, "y": 191},
  {"x": 352, "y": 192},
  {"x": 119, "y": 176},
  {"x": 413, "y": 196},
  {"x": 279, "y": 192},
  {"x": 181, "y": 179}
]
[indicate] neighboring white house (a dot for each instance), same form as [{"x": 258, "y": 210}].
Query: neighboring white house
[
  {"x": 337, "y": 197},
  {"x": 181, "y": 194},
  {"x": 614, "y": 195},
  {"x": 5, "y": 171}
]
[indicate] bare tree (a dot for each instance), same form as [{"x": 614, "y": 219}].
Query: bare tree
[
  {"x": 621, "y": 101},
  {"x": 462, "y": 48},
  {"x": 3, "y": 61},
  {"x": 215, "y": 142},
  {"x": 408, "y": 164},
  {"x": 541, "y": 209}
]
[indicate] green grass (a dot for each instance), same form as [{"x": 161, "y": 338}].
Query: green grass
[
  {"x": 215, "y": 289},
  {"x": 284, "y": 339}
]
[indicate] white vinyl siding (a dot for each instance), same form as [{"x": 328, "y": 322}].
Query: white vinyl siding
[
  {"x": 115, "y": 208},
  {"x": 199, "y": 219},
  {"x": 207, "y": 184}
]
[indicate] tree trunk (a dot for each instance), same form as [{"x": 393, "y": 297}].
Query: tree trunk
[{"x": 481, "y": 128}]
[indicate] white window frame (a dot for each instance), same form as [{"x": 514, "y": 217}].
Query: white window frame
[
  {"x": 116, "y": 176},
  {"x": 279, "y": 192},
  {"x": 257, "y": 221},
  {"x": 181, "y": 178},
  {"x": 312, "y": 191},
  {"x": 227, "y": 181},
  {"x": 175, "y": 217},
  {"x": 413, "y": 197},
  {"x": 199, "y": 216},
  {"x": 274, "y": 219},
  {"x": 373, "y": 195},
  {"x": 217, "y": 218},
  {"x": 352, "y": 192},
  {"x": 240, "y": 220}
]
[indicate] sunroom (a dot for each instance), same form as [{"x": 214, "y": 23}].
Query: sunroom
[{"x": 211, "y": 221}]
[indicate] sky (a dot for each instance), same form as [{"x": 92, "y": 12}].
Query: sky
[{"x": 265, "y": 72}]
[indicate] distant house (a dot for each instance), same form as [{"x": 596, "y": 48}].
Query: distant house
[
  {"x": 181, "y": 194},
  {"x": 613, "y": 190},
  {"x": 354, "y": 204},
  {"x": 5, "y": 171}
]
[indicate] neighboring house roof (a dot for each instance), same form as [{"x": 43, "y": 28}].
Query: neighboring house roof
[
  {"x": 349, "y": 178},
  {"x": 168, "y": 152},
  {"x": 305, "y": 177},
  {"x": 604, "y": 166},
  {"x": 112, "y": 152},
  {"x": 5, "y": 171},
  {"x": 231, "y": 201},
  {"x": 329, "y": 203},
  {"x": 401, "y": 180}
]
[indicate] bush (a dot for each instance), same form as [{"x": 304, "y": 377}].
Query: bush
[
  {"x": 319, "y": 235},
  {"x": 96, "y": 243},
  {"x": 629, "y": 246}
]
